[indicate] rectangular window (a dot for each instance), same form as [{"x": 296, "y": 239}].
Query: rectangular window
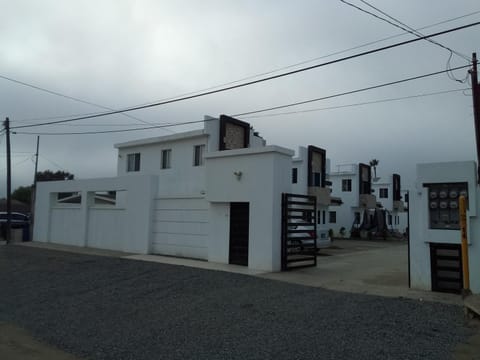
[
  {"x": 332, "y": 217},
  {"x": 383, "y": 193},
  {"x": 390, "y": 219},
  {"x": 317, "y": 179},
  {"x": 318, "y": 216},
  {"x": 166, "y": 159},
  {"x": 323, "y": 216},
  {"x": 294, "y": 175},
  {"x": 198, "y": 155},
  {"x": 346, "y": 185},
  {"x": 133, "y": 162}
]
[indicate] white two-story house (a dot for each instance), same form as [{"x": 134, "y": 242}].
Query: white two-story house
[{"x": 213, "y": 194}]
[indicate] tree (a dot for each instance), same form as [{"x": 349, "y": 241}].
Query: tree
[
  {"x": 374, "y": 163},
  {"x": 49, "y": 175},
  {"x": 22, "y": 194}
]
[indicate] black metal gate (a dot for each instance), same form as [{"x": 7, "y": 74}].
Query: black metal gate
[
  {"x": 299, "y": 231},
  {"x": 446, "y": 267}
]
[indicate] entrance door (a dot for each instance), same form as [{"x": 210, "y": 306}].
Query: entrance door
[{"x": 239, "y": 224}]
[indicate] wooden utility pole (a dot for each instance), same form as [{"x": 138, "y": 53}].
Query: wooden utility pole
[
  {"x": 6, "y": 124},
  {"x": 476, "y": 108},
  {"x": 34, "y": 191}
]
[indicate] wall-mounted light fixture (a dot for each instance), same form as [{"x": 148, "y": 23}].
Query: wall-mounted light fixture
[{"x": 238, "y": 174}]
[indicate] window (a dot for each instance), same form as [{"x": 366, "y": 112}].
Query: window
[
  {"x": 383, "y": 193},
  {"x": 346, "y": 185},
  {"x": 317, "y": 177},
  {"x": 332, "y": 217},
  {"x": 323, "y": 217},
  {"x": 294, "y": 175},
  {"x": 166, "y": 159},
  {"x": 390, "y": 219},
  {"x": 318, "y": 217},
  {"x": 133, "y": 162},
  {"x": 198, "y": 155}
]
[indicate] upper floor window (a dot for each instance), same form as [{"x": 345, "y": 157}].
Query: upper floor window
[
  {"x": 332, "y": 217},
  {"x": 166, "y": 159},
  {"x": 198, "y": 155},
  {"x": 294, "y": 175},
  {"x": 133, "y": 162},
  {"x": 346, "y": 185},
  {"x": 383, "y": 192}
]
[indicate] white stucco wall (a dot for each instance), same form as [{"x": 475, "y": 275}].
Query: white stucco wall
[
  {"x": 263, "y": 179},
  {"x": 182, "y": 178},
  {"x": 125, "y": 228},
  {"x": 346, "y": 211},
  {"x": 420, "y": 234}
]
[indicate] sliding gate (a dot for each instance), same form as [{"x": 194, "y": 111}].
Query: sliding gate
[{"x": 299, "y": 231}]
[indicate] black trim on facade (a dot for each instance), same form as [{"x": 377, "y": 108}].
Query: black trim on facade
[
  {"x": 364, "y": 187},
  {"x": 224, "y": 120},
  {"x": 313, "y": 149},
  {"x": 396, "y": 187}
]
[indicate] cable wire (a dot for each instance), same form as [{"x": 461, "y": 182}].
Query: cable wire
[
  {"x": 357, "y": 104},
  {"x": 407, "y": 28},
  {"x": 279, "y": 68},
  {"x": 51, "y": 92},
  {"x": 252, "y": 82},
  {"x": 349, "y": 92},
  {"x": 245, "y": 113}
]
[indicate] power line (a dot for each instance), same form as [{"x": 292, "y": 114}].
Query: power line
[
  {"x": 404, "y": 27},
  {"x": 348, "y": 92},
  {"x": 246, "y": 113},
  {"x": 279, "y": 68},
  {"x": 357, "y": 104},
  {"x": 416, "y": 33},
  {"x": 252, "y": 82},
  {"x": 51, "y": 92}
]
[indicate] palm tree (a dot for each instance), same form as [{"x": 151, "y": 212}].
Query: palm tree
[{"x": 374, "y": 163}]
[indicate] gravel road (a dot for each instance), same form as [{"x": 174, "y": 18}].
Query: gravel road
[{"x": 111, "y": 308}]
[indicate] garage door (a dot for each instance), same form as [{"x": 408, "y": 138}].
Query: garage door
[{"x": 180, "y": 227}]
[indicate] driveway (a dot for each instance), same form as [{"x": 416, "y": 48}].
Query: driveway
[{"x": 111, "y": 308}]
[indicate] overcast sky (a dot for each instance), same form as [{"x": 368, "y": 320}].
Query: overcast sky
[{"x": 122, "y": 53}]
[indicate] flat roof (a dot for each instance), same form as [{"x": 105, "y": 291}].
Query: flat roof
[{"x": 162, "y": 139}]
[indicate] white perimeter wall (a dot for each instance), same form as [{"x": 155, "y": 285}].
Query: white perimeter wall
[{"x": 125, "y": 227}]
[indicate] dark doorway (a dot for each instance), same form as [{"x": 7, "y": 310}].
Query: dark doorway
[
  {"x": 239, "y": 224},
  {"x": 446, "y": 266}
]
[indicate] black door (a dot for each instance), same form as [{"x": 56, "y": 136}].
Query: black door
[
  {"x": 446, "y": 267},
  {"x": 239, "y": 214}
]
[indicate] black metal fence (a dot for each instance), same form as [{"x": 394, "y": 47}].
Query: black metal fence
[{"x": 299, "y": 231}]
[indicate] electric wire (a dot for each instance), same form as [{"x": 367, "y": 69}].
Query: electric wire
[
  {"x": 252, "y": 82},
  {"x": 411, "y": 30},
  {"x": 357, "y": 104},
  {"x": 348, "y": 92},
  {"x": 246, "y": 113},
  {"x": 56, "y": 93},
  {"x": 270, "y": 71}
]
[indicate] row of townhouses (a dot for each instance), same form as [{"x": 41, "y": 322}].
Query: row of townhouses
[{"x": 219, "y": 194}]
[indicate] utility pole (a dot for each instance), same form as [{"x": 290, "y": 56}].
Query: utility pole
[
  {"x": 34, "y": 191},
  {"x": 6, "y": 124},
  {"x": 476, "y": 108}
]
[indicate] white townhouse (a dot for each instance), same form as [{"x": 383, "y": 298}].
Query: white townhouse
[
  {"x": 213, "y": 194},
  {"x": 380, "y": 201}
]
